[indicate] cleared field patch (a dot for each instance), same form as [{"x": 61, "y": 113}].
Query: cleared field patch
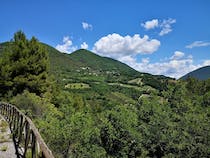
[
  {"x": 144, "y": 88},
  {"x": 137, "y": 81},
  {"x": 125, "y": 85},
  {"x": 77, "y": 86}
]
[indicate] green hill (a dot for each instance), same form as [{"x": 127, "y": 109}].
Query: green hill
[
  {"x": 98, "y": 79},
  {"x": 96, "y": 62},
  {"x": 83, "y": 63},
  {"x": 99, "y": 107},
  {"x": 202, "y": 73},
  {"x": 85, "y": 66}
]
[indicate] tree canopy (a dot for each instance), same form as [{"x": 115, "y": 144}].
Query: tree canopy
[{"x": 24, "y": 65}]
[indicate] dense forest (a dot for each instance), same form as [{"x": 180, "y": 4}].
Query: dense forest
[{"x": 85, "y": 105}]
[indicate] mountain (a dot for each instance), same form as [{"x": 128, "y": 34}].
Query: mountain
[
  {"x": 83, "y": 66},
  {"x": 85, "y": 60},
  {"x": 96, "y": 62},
  {"x": 202, "y": 73}
]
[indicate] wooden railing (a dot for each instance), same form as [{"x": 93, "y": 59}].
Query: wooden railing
[{"x": 27, "y": 140}]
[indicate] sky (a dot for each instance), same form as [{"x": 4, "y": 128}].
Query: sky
[{"x": 160, "y": 37}]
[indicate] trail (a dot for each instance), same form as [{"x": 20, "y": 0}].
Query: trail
[{"x": 7, "y": 149}]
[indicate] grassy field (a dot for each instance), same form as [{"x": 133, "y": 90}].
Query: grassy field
[
  {"x": 77, "y": 86},
  {"x": 137, "y": 81}
]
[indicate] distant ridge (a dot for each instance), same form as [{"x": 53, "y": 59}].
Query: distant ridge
[
  {"x": 84, "y": 66},
  {"x": 202, "y": 73}
]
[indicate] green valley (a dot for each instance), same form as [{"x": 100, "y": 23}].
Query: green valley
[{"x": 85, "y": 105}]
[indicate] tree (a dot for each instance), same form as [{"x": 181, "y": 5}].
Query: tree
[
  {"x": 119, "y": 135},
  {"x": 24, "y": 65}
]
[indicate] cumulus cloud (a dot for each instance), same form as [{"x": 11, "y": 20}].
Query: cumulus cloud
[
  {"x": 116, "y": 46},
  {"x": 198, "y": 44},
  {"x": 145, "y": 60},
  {"x": 67, "y": 46},
  {"x": 206, "y": 62},
  {"x": 163, "y": 25},
  {"x": 127, "y": 59},
  {"x": 166, "y": 26},
  {"x": 86, "y": 26},
  {"x": 176, "y": 66},
  {"x": 84, "y": 45},
  {"x": 177, "y": 55},
  {"x": 150, "y": 24}
]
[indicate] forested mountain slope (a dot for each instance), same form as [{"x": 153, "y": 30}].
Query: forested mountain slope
[
  {"x": 202, "y": 73},
  {"x": 85, "y": 105}
]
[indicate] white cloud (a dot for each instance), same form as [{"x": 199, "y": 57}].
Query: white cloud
[
  {"x": 86, "y": 26},
  {"x": 177, "y": 55},
  {"x": 67, "y": 46},
  {"x": 176, "y": 66},
  {"x": 198, "y": 44},
  {"x": 166, "y": 26},
  {"x": 150, "y": 24},
  {"x": 206, "y": 62},
  {"x": 116, "y": 46},
  {"x": 84, "y": 45},
  {"x": 145, "y": 60},
  {"x": 163, "y": 25},
  {"x": 127, "y": 59}
]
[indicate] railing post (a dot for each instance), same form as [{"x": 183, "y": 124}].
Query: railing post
[
  {"x": 33, "y": 145},
  {"x": 27, "y": 137}
]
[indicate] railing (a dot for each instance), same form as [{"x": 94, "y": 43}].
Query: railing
[{"x": 27, "y": 140}]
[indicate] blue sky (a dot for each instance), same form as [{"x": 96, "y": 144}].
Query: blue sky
[{"x": 160, "y": 37}]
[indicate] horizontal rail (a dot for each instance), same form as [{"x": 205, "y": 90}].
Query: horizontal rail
[{"x": 27, "y": 139}]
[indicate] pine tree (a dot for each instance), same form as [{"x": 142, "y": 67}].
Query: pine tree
[{"x": 24, "y": 65}]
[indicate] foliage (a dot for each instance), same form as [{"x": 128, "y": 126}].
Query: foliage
[
  {"x": 175, "y": 128},
  {"x": 119, "y": 133},
  {"x": 107, "y": 109},
  {"x": 32, "y": 104},
  {"x": 24, "y": 65}
]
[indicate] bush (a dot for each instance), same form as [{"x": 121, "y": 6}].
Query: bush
[{"x": 32, "y": 104}]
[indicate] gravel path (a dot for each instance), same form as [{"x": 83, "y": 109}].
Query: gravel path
[{"x": 7, "y": 149}]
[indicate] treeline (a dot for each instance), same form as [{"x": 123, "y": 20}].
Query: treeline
[
  {"x": 175, "y": 122},
  {"x": 172, "y": 124}
]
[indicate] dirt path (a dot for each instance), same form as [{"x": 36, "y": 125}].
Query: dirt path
[{"x": 7, "y": 149}]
